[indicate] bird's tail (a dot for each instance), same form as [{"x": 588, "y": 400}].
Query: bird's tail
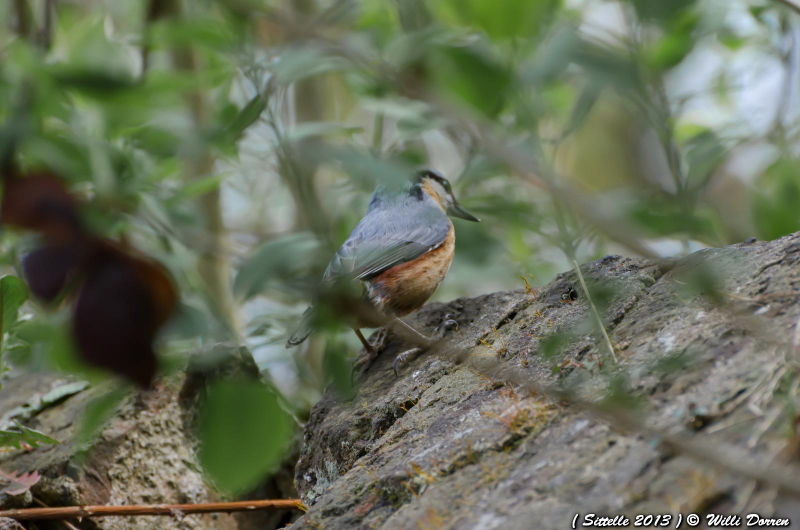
[{"x": 303, "y": 330}]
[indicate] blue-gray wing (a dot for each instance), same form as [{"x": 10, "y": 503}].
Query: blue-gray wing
[{"x": 387, "y": 237}]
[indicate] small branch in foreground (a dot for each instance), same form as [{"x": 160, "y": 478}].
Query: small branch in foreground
[
  {"x": 75, "y": 512},
  {"x": 791, "y": 4},
  {"x": 596, "y": 313}
]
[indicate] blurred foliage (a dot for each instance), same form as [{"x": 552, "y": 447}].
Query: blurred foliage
[
  {"x": 244, "y": 432},
  {"x": 23, "y": 436},
  {"x": 237, "y": 143}
]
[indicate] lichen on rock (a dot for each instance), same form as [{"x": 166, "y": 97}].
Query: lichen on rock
[{"x": 445, "y": 446}]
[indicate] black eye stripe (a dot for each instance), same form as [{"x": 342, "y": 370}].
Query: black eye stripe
[{"x": 443, "y": 182}]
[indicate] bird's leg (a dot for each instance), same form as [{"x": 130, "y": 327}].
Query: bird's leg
[
  {"x": 365, "y": 360},
  {"x": 371, "y": 350},
  {"x": 422, "y": 340},
  {"x": 367, "y": 346}
]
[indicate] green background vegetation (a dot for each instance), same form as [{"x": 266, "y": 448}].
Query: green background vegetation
[{"x": 238, "y": 142}]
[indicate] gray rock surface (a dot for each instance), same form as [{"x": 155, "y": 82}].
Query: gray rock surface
[
  {"x": 707, "y": 348},
  {"x": 10, "y": 524},
  {"x": 145, "y": 454}
]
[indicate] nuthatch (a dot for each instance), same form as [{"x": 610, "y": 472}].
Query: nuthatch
[{"x": 401, "y": 250}]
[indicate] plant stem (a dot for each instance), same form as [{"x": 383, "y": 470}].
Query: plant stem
[
  {"x": 377, "y": 134},
  {"x": 213, "y": 263},
  {"x": 594, "y": 310}
]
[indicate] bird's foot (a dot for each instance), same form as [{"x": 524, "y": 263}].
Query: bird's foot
[
  {"x": 407, "y": 356},
  {"x": 379, "y": 342},
  {"x": 447, "y": 324},
  {"x": 404, "y": 358}
]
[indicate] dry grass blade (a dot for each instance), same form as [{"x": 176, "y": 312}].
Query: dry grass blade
[{"x": 595, "y": 312}]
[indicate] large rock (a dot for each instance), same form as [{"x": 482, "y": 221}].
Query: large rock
[
  {"x": 705, "y": 350},
  {"x": 145, "y": 453}
]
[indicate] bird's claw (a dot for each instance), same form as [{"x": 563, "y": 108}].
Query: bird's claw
[
  {"x": 403, "y": 358},
  {"x": 447, "y": 325}
]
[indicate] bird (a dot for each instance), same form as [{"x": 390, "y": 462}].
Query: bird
[{"x": 401, "y": 251}]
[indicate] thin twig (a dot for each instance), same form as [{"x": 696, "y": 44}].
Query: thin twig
[
  {"x": 377, "y": 135},
  {"x": 595, "y": 312},
  {"x": 64, "y": 523},
  {"x": 791, "y": 4},
  {"x": 75, "y": 512}
]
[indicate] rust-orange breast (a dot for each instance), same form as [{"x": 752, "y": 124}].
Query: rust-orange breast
[{"x": 405, "y": 288}]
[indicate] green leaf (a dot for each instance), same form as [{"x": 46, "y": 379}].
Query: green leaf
[
  {"x": 13, "y": 294},
  {"x": 281, "y": 260},
  {"x": 244, "y": 433},
  {"x": 500, "y": 19},
  {"x": 661, "y": 10},
  {"x": 704, "y": 153},
  {"x": 554, "y": 345},
  {"x": 338, "y": 368},
  {"x": 99, "y": 411},
  {"x": 380, "y": 19},
  {"x": 474, "y": 75},
  {"x": 553, "y": 57},
  {"x": 302, "y": 131},
  {"x": 607, "y": 66},
  {"x": 199, "y": 187},
  {"x": 301, "y": 63},
  {"x": 669, "y": 51},
  {"x": 243, "y": 119},
  {"x": 667, "y": 218},
  {"x": 583, "y": 107},
  {"x": 777, "y": 195},
  {"x": 24, "y": 436},
  {"x": 731, "y": 41}
]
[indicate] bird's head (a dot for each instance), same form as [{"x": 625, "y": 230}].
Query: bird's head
[{"x": 434, "y": 184}]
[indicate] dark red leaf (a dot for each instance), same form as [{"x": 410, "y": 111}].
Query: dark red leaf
[
  {"x": 123, "y": 298},
  {"x": 40, "y": 202},
  {"x": 47, "y": 269},
  {"x": 122, "y": 302}
]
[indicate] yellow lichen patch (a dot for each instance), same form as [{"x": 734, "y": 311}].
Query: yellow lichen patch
[
  {"x": 540, "y": 316},
  {"x": 433, "y": 520},
  {"x": 492, "y": 472},
  {"x": 499, "y": 346},
  {"x": 695, "y": 490},
  {"x": 427, "y": 477},
  {"x": 524, "y": 416}
]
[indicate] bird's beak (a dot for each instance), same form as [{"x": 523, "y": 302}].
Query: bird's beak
[{"x": 456, "y": 210}]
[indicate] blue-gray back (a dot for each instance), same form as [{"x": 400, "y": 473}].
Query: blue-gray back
[{"x": 399, "y": 227}]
